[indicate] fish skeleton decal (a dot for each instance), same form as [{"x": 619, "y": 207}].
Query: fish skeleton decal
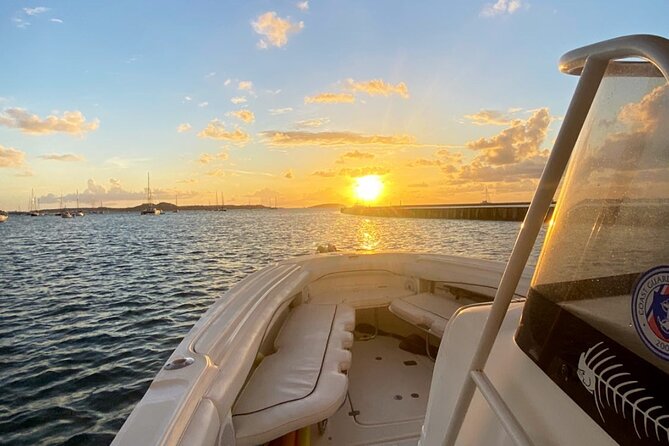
[{"x": 603, "y": 376}]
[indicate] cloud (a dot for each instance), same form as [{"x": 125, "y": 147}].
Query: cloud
[
  {"x": 265, "y": 193},
  {"x": 207, "y": 158},
  {"x": 418, "y": 185},
  {"x": 275, "y": 30},
  {"x": 227, "y": 82},
  {"x": 124, "y": 163},
  {"x": 210, "y": 75},
  {"x": 303, "y": 6},
  {"x": 280, "y": 111},
  {"x": 187, "y": 98},
  {"x": 311, "y": 123},
  {"x": 288, "y": 174},
  {"x": 35, "y": 11},
  {"x": 203, "y": 104},
  {"x": 20, "y": 23},
  {"x": 333, "y": 139},
  {"x": 234, "y": 172},
  {"x": 73, "y": 123},
  {"x": 529, "y": 168},
  {"x": 216, "y": 130},
  {"x": 424, "y": 162},
  {"x": 363, "y": 171},
  {"x": 10, "y": 157},
  {"x": 501, "y": 7},
  {"x": 187, "y": 181},
  {"x": 356, "y": 154},
  {"x": 245, "y": 115},
  {"x": 245, "y": 85},
  {"x": 520, "y": 141},
  {"x": 489, "y": 117},
  {"x": 330, "y": 98},
  {"x": 56, "y": 20},
  {"x": 377, "y": 87},
  {"x": 238, "y": 100},
  {"x": 184, "y": 127},
  {"x": 324, "y": 173},
  {"x": 66, "y": 157}
]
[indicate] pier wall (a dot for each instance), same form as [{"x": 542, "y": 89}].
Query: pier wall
[{"x": 495, "y": 212}]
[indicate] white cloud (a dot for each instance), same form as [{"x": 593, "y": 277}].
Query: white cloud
[
  {"x": 188, "y": 98},
  {"x": 203, "y": 104},
  {"x": 311, "y": 123},
  {"x": 73, "y": 122},
  {"x": 280, "y": 111},
  {"x": 36, "y": 10},
  {"x": 184, "y": 127},
  {"x": 66, "y": 157},
  {"x": 274, "y": 29},
  {"x": 227, "y": 82},
  {"x": 238, "y": 100},
  {"x": 303, "y": 6},
  {"x": 20, "y": 23},
  {"x": 501, "y": 7},
  {"x": 210, "y": 75},
  {"x": 56, "y": 20},
  {"x": 124, "y": 163}
]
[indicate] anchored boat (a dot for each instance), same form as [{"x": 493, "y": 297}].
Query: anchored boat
[
  {"x": 4, "y": 216},
  {"x": 336, "y": 348},
  {"x": 150, "y": 209}
]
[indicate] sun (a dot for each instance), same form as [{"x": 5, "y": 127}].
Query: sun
[{"x": 368, "y": 188}]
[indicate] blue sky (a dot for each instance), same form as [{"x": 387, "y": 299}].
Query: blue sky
[{"x": 135, "y": 71}]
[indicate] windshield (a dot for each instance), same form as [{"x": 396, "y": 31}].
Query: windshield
[{"x": 596, "y": 319}]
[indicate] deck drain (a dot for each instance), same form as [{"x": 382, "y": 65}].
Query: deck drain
[
  {"x": 398, "y": 397},
  {"x": 378, "y": 358},
  {"x": 412, "y": 362},
  {"x": 414, "y": 395}
]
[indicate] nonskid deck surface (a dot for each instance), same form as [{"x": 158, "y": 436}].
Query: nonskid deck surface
[{"x": 387, "y": 396}]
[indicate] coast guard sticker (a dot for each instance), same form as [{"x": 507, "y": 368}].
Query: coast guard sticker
[{"x": 650, "y": 310}]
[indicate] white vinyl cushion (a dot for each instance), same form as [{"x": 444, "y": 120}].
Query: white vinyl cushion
[
  {"x": 302, "y": 382},
  {"x": 426, "y": 310}
]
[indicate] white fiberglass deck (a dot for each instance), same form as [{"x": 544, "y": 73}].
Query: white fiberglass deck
[{"x": 387, "y": 396}]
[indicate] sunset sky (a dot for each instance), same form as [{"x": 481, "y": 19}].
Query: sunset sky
[{"x": 289, "y": 100}]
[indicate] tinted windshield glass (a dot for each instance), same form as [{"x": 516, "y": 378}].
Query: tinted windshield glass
[
  {"x": 597, "y": 316},
  {"x": 611, "y": 221}
]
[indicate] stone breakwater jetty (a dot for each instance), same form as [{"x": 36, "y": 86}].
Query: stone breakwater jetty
[{"x": 478, "y": 211}]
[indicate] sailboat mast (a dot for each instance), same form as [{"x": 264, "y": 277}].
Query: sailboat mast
[{"x": 148, "y": 187}]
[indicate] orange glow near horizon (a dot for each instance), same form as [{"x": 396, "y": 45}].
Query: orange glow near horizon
[{"x": 368, "y": 188}]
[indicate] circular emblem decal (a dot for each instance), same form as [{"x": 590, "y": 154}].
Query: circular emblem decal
[{"x": 650, "y": 310}]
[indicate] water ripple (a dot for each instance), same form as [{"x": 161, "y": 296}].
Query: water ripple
[{"x": 92, "y": 307}]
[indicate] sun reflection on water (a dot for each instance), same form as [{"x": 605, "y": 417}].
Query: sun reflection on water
[{"x": 369, "y": 236}]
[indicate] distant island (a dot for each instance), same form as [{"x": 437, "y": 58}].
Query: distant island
[
  {"x": 328, "y": 206},
  {"x": 163, "y": 206}
]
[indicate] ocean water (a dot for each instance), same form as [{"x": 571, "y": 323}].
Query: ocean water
[{"x": 91, "y": 308}]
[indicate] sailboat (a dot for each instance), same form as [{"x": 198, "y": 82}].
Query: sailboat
[
  {"x": 64, "y": 213},
  {"x": 176, "y": 206},
  {"x": 150, "y": 208},
  {"x": 4, "y": 216},
  {"x": 79, "y": 212},
  {"x": 431, "y": 349},
  {"x": 34, "y": 208}
]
